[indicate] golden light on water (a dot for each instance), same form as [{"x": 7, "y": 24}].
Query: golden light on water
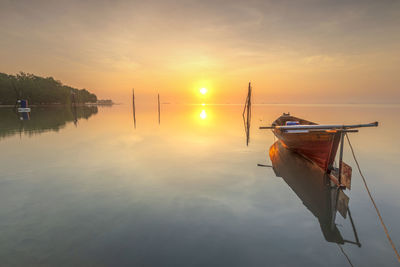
[
  {"x": 203, "y": 91},
  {"x": 203, "y": 114}
]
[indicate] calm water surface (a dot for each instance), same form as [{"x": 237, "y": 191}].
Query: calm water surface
[{"x": 85, "y": 188}]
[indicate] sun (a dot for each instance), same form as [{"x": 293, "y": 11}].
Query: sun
[{"x": 203, "y": 91}]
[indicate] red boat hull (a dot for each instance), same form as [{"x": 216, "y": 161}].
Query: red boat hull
[{"x": 318, "y": 146}]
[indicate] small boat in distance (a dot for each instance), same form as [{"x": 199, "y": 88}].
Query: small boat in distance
[
  {"x": 316, "y": 142},
  {"x": 23, "y": 106}
]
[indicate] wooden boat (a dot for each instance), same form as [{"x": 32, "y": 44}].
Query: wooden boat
[
  {"x": 318, "y": 143},
  {"x": 320, "y": 146}
]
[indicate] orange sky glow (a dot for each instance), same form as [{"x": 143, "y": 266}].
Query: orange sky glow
[{"x": 292, "y": 51}]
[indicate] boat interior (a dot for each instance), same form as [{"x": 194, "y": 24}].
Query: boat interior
[{"x": 287, "y": 118}]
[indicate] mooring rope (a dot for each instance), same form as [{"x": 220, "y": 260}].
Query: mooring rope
[{"x": 373, "y": 202}]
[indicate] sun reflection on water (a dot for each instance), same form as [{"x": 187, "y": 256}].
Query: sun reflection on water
[{"x": 203, "y": 114}]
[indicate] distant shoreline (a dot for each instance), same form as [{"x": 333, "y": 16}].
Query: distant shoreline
[
  {"x": 62, "y": 105},
  {"x": 225, "y": 104}
]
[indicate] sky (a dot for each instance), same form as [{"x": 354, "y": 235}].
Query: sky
[{"x": 301, "y": 51}]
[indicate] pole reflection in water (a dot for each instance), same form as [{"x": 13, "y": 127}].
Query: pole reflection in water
[
  {"x": 313, "y": 187},
  {"x": 133, "y": 108}
]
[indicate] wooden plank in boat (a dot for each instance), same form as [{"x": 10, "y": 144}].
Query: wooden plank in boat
[{"x": 346, "y": 175}]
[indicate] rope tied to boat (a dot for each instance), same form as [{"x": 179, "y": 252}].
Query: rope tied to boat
[{"x": 372, "y": 200}]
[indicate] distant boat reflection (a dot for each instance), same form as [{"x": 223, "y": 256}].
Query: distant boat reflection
[
  {"x": 24, "y": 116},
  {"x": 41, "y": 119},
  {"x": 313, "y": 187}
]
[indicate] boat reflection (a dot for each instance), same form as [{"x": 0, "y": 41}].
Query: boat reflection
[
  {"x": 315, "y": 190},
  {"x": 24, "y": 116},
  {"x": 41, "y": 119}
]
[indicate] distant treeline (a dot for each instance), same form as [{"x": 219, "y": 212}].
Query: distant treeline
[{"x": 38, "y": 90}]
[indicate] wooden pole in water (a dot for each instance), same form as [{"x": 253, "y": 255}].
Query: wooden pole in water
[
  {"x": 133, "y": 107},
  {"x": 249, "y": 103},
  {"x": 247, "y": 118},
  {"x": 159, "y": 110},
  {"x": 341, "y": 156},
  {"x": 248, "y": 115},
  {"x": 246, "y": 103}
]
